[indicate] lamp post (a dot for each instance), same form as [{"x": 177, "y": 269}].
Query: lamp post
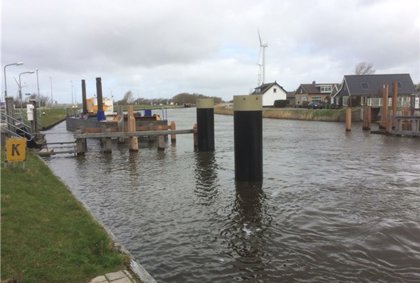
[
  {"x": 20, "y": 90},
  {"x": 37, "y": 81},
  {"x": 5, "y": 81}
]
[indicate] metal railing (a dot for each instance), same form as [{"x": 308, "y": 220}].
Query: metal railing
[{"x": 16, "y": 127}]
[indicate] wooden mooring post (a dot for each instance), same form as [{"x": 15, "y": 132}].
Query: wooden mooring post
[
  {"x": 394, "y": 104},
  {"x": 348, "y": 119},
  {"x": 367, "y": 117},
  {"x": 107, "y": 142},
  {"x": 247, "y": 124},
  {"x": 161, "y": 143},
  {"x": 121, "y": 123},
  {"x": 384, "y": 110},
  {"x": 173, "y": 128},
  {"x": 131, "y": 127},
  {"x": 81, "y": 144}
]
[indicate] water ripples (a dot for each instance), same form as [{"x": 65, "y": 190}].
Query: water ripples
[{"x": 336, "y": 207}]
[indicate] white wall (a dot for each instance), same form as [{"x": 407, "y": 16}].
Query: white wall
[{"x": 272, "y": 94}]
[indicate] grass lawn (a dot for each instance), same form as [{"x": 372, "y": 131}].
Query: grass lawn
[
  {"x": 46, "y": 235},
  {"x": 46, "y": 116},
  {"x": 51, "y": 116}
]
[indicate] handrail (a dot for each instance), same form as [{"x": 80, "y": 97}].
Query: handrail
[{"x": 13, "y": 125}]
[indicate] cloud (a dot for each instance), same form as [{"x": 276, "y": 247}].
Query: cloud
[{"x": 210, "y": 47}]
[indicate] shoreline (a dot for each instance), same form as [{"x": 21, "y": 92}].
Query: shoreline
[
  {"x": 135, "y": 267},
  {"x": 326, "y": 115}
]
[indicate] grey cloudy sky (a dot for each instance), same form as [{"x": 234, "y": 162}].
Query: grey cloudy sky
[{"x": 161, "y": 48}]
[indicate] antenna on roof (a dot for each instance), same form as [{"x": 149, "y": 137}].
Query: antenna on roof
[{"x": 261, "y": 60}]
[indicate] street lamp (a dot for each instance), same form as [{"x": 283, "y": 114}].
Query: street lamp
[
  {"x": 37, "y": 81},
  {"x": 20, "y": 90},
  {"x": 5, "y": 82}
]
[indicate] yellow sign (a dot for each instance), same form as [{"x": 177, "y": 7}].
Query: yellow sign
[{"x": 16, "y": 149}]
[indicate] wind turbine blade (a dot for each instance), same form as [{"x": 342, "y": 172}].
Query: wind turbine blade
[{"x": 259, "y": 37}]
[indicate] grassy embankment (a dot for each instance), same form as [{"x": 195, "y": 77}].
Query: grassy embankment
[
  {"x": 47, "y": 117},
  {"x": 46, "y": 234},
  {"x": 332, "y": 115},
  {"x": 138, "y": 107}
]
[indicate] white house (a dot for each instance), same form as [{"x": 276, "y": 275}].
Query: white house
[{"x": 271, "y": 92}]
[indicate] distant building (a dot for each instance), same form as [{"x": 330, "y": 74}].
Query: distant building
[
  {"x": 306, "y": 93},
  {"x": 367, "y": 89},
  {"x": 271, "y": 92},
  {"x": 291, "y": 98}
]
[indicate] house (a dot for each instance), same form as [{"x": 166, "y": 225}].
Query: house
[
  {"x": 271, "y": 92},
  {"x": 367, "y": 89},
  {"x": 306, "y": 93},
  {"x": 291, "y": 98}
]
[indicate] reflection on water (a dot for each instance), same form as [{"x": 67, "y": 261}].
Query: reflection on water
[
  {"x": 245, "y": 232},
  {"x": 206, "y": 180},
  {"x": 333, "y": 207}
]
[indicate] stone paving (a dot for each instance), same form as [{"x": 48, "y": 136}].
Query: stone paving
[{"x": 122, "y": 276}]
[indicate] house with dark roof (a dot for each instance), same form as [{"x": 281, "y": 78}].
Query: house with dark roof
[
  {"x": 270, "y": 93},
  {"x": 357, "y": 90},
  {"x": 307, "y": 93}
]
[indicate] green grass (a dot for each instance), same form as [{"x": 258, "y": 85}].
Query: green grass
[
  {"x": 332, "y": 113},
  {"x": 51, "y": 116},
  {"x": 46, "y": 116},
  {"x": 46, "y": 235},
  {"x": 138, "y": 107}
]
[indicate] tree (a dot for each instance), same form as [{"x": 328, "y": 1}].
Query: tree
[
  {"x": 364, "y": 68},
  {"x": 127, "y": 99},
  {"x": 188, "y": 98}
]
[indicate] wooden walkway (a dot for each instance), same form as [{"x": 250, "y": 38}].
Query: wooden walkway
[{"x": 130, "y": 134}]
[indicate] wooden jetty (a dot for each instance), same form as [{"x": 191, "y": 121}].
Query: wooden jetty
[{"x": 395, "y": 119}]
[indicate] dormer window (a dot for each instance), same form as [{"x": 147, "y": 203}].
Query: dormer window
[
  {"x": 365, "y": 85},
  {"x": 326, "y": 89}
]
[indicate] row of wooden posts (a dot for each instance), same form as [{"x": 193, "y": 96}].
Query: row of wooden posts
[
  {"x": 391, "y": 122},
  {"x": 247, "y": 134}
]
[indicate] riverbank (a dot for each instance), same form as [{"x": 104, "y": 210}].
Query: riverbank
[
  {"x": 329, "y": 115},
  {"x": 47, "y": 235}
]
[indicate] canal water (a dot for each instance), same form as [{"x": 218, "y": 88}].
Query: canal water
[{"x": 333, "y": 207}]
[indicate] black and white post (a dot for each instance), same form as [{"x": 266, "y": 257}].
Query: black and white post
[
  {"x": 247, "y": 124},
  {"x": 205, "y": 124}
]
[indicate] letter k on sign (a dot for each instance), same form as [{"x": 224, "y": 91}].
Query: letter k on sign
[{"x": 16, "y": 149}]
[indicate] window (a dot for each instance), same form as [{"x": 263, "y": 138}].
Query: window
[
  {"x": 365, "y": 85},
  {"x": 274, "y": 90},
  {"x": 326, "y": 89}
]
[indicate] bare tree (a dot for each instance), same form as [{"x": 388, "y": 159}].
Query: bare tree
[
  {"x": 128, "y": 98},
  {"x": 364, "y": 68}
]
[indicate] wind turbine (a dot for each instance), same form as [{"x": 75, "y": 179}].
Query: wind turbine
[{"x": 261, "y": 61}]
